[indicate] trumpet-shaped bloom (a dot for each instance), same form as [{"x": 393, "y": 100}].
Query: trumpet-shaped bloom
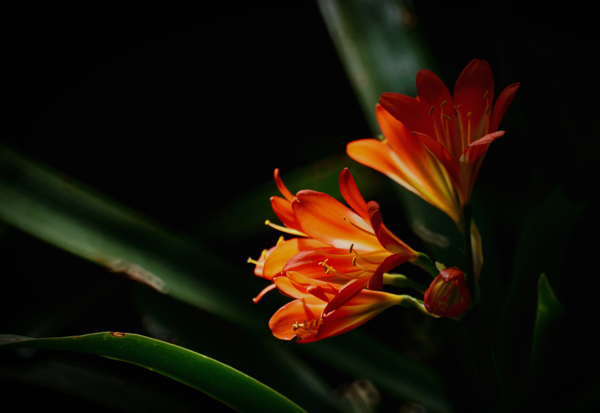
[
  {"x": 448, "y": 295},
  {"x": 303, "y": 318},
  {"x": 456, "y": 131},
  {"x": 349, "y": 247}
]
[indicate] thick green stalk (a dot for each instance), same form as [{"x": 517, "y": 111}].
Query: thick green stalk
[{"x": 466, "y": 232}]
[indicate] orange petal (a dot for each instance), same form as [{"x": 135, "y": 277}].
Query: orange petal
[
  {"x": 283, "y": 210},
  {"x": 293, "y": 313},
  {"x": 315, "y": 265},
  {"x": 386, "y": 238},
  {"x": 474, "y": 92},
  {"x": 411, "y": 112},
  {"x": 345, "y": 293},
  {"x": 352, "y": 195},
  {"x": 282, "y": 188},
  {"x": 502, "y": 104},
  {"x": 277, "y": 258},
  {"x": 356, "y": 312},
  {"x": 325, "y": 219}
]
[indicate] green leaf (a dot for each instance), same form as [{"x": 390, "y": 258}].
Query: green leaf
[
  {"x": 541, "y": 249},
  {"x": 70, "y": 216},
  {"x": 83, "y": 222},
  {"x": 379, "y": 47},
  {"x": 549, "y": 312},
  {"x": 241, "y": 392}
]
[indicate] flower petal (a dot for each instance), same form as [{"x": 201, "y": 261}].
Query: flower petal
[
  {"x": 474, "y": 92},
  {"x": 346, "y": 293},
  {"x": 327, "y": 264},
  {"x": 356, "y": 312},
  {"x": 352, "y": 195},
  {"x": 282, "y": 188},
  {"x": 327, "y": 220},
  {"x": 386, "y": 238},
  {"x": 283, "y": 210},
  {"x": 277, "y": 258},
  {"x": 293, "y": 313},
  {"x": 502, "y": 104},
  {"x": 410, "y": 111}
]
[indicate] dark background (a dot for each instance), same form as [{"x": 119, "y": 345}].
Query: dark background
[{"x": 179, "y": 110}]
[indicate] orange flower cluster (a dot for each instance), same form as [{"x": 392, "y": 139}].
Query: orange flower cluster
[
  {"x": 435, "y": 143},
  {"x": 337, "y": 264},
  {"x": 339, "y": 253}
]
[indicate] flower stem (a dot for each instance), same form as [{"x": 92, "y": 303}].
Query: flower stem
[
  {"x": 483, "y": 359},
  {"x": 423, "y": 261},
  {"x": 466, "y": 232}
]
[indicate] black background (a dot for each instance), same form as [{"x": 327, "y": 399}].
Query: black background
[{"x": 176, "y": 110}]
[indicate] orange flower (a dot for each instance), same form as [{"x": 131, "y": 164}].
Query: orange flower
[
  {"x": 456, "y": 131},
  {"x": 303, "y": 318},
  {"x": 448, "y": 295},
  {"x": 348, "y": 247}
]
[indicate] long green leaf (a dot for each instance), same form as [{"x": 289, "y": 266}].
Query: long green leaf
[
  {"x": 75, "y": 218},
  {"x": 218, "y": 380},
  {"x": 549, "y": 312},
  {"x": 378, "y": 46}
]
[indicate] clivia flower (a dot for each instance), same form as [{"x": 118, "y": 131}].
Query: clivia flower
[
  {"x": 455, "y": 130},
  {"x": 448, "y": 295},
  {"x": 348, "y": 247},
  {"x": 303, "y": 318}
]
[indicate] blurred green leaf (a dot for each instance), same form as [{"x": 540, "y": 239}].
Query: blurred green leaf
[
  {"x": 218, "y": 380},
  {"x": 549, "y": 312},
  {"x": 541, "y": 249},
  {"x": 101, "y": 384},
  {"x": 64, "y": 213},
  {"x": 379, "y": 47}
]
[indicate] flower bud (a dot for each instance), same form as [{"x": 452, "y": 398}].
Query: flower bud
[{"x": 448, "y": 295}]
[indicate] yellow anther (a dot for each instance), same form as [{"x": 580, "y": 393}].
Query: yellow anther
[
  {"x": 279, "y": 241},
  {"x": 263, "y": 254},
  {"x": 447, "y": 117},
  {"x": 443, "y": 103},
  {"x": 354, "y": 260},
  {"x": 251, "y": 261}
]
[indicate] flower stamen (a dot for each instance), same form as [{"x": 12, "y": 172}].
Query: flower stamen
[
  {"x": 285, "y": 229},
  {"x": 356, "y": 226}
]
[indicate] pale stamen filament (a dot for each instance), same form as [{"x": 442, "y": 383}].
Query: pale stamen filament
[
  {"x": 285, "y": 229},
  {"x": 363, "y": 258},
  {"x": 462, "y": 130},
  {"x": 468, "y": 129},
  {"x": 356, "y": 226}
]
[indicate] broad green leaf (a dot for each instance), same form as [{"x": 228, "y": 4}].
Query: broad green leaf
[
  {"x": 72, "y": 217},
  {"x": 99, "y": 382},
  {"x": 541, "y": 249},
  {"x": 216, "y": 379},
  {"x": 75, "y": 218},
  {"x": 379, "y": 47},
  {"x": 549, "y": 312}
]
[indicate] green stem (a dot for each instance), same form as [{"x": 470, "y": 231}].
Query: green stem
[
  {"x": 482, "y": 356},
  {"x": 401, "y": 281},
  {"x": 466, "y": 232},
  {"x": 423, "y": 261}
]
